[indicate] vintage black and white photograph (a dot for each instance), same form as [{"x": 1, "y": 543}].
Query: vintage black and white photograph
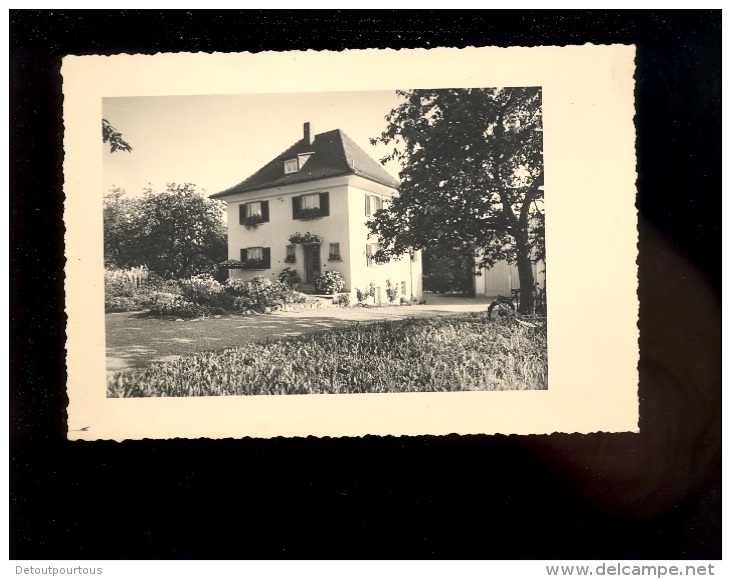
[
  {"x": 325, "y": 243},
  {"x": 241, "y": 245}
]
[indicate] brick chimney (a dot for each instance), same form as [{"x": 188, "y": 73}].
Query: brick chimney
[{"x": 308, "y": 140}]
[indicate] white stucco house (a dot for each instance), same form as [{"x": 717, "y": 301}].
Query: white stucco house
[{"x": 307, "y": 209}]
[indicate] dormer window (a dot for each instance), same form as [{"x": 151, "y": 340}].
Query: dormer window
[{"x": 294, "y": 165}]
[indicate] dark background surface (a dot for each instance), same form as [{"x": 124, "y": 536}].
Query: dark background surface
[{"x": 422, "y": 497}]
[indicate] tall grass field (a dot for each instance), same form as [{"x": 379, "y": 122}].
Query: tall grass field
[{"x": 445, "y": 354}]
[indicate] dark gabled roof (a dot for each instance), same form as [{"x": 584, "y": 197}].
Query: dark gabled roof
[{"x": 333, "y": 154}]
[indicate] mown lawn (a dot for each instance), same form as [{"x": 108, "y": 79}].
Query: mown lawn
[{"x": 466, "y": 352}]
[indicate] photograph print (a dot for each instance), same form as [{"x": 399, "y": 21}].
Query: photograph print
[{"x": 325, "y": 243}]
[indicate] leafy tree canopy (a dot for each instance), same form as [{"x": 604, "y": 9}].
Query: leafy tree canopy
[
  {"x": 176, "y": 233},
  {"x": 114, "y": 138},
  {"x": 471, "y": 178}
]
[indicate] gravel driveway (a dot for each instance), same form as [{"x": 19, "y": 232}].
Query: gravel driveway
[{"x": 134, "y": 340}]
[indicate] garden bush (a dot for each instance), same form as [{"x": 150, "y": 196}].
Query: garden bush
[
  {"x": 236, "y": 287},
  {"x": 201, "y": 295},
  {"x": 124, "y": 282},
  {"x": 222, "y": 303},
  {"x": 342, "y": 300},
  {"x": 329, "y": 282},
  {"x": 391, "y": 291},
  {"x": 200, "y": 289},
  {"x": 261, "y": 293},
  {"x": 289, "y": 276},
  {"x": 123, "y": 304},
  {"x": 361, "y": 295},
  {"x": 170, "y": 304},
  {"x": 126, "y": 289}
]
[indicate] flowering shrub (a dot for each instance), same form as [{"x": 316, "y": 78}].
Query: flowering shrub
[
  {"x": 261, "y": 293},
  {"x": 342, "y": 300},
  {"x": 163, "y": 302},
  {"x": 289, "y": 276},
  {"x": 391, "y": 291},
  {"x": 361, "y": 295},
  {"x": 126, "y": 289},
  {"x": 200, "y": 289},
  {"x": 372, "y": 290},
  {"x": 124, "y": 282},
  {"x": 329, "y": 282}
]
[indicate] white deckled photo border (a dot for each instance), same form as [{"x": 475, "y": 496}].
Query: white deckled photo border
[{"x": 591, "y": 243}]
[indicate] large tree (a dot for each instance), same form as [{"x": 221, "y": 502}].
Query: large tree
[
  {"x": 471, "y": 178},
  {"x": 121, "y": 218},
  {"x": 176, "y": 233}
]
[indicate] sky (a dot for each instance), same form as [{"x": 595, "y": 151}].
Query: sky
[{"x": 217, "y": 141}]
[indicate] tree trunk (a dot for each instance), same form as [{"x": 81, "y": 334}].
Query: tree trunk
[{"x": 525, "y": 273}]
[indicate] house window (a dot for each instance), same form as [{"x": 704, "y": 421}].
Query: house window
[
  {"x": 311, "y": 201},
  {"x": 253, "y": 213},
  {"x": 291, "y": 166},
  {"x": 371, "y": 250},
  {"x": 311, "y": 206},
  {"x": 372, "y": 204},
  {"x": 414, "y": 255},
  {"x": 253, "y": 209},
  {"x": 291, "y": 255},
  {"x": 256, "y": 257},
  {"x": 403, "y": 288},
  {"x": 335, "y": 252}
]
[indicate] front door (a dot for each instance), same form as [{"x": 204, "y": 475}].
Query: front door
[{"x": 312, "y": 262}]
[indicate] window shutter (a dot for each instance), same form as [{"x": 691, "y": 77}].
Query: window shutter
[
  {"x": 325, "y": 203},
  {"x": 244, "y": 253},
  {"x": 267, "y": 254},
  {"x": 368, "y": 253},
  {"x": 242, "y": 213},
  {"x": 265, "y": 211},
  {"x": 368, "y": 205},
  {"x": 296, "y": 206}
]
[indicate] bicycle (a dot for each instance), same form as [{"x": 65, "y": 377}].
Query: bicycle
[{"x": 505, "y": 306}]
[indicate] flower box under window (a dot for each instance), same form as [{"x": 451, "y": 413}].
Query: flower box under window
[
  {"x": 311, "y": 206},
  {"x": 231, "y": 264},
  {"x": 256, "y": 258},
  {"x": 305, "y": 238},
  {"x": 254, "y": 264},
  {"x": 311, "y": 213},
  {"x": 254, "y": 213}
]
